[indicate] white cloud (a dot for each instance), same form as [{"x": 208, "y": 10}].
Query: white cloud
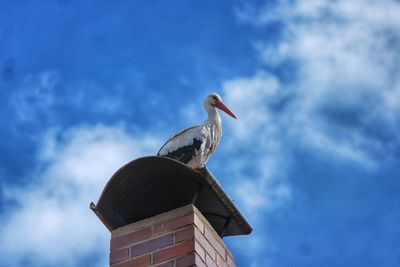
[
  {"x": 346, "y": 51},
  {"x": 252, "y": 113},
  {"x": 35, "y": 96},
  {"x": 52, "y": 223},
  {"x": 254, "y": 145},
  {"x": 39, "y": 98},
  {"x": 344, "y": 92}
]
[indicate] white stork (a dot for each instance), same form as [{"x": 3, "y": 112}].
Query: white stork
[{"x": 193, "y": 146}]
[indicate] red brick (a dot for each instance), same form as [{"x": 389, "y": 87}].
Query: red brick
[
  {"x": 166, "y": 264},
  {"x": 230, "y": 261},
  {"x": 151, "y": 245},
  {"x": 210, "y": 262},
  {"x": 201, "y": 264},
  {"x": 228, "y": 253},
  {"x": 200, "y": 250},
  {"x": 173, "y": 224},
  {"x": 184, "y": 234},
  {"x": 187, "y": 260},
  {"x": 205, "y": 244},
  {"x": 119, "y": 255},
  {"x": 215, "y": 243},
  {"x": 171, "y": 252},
  {"x": 143, "y": 261},
  {"x": 131, "y": 238},
  {"x": 157, "y": 229},
  {"x": 199, "y": 223},
  {"x": 191, "y": 259},
  {"x": 221, "y": 262}
]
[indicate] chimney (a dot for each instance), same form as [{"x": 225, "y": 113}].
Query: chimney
[
  {"x": 180, "y": 238},
  {"x": 165, "y": 214}
]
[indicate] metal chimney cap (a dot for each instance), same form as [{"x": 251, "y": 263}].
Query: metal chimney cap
[{"x": 152, "y": 185}]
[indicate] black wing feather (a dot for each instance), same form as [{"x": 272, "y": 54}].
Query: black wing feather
[{"x": 186, "y": 153}]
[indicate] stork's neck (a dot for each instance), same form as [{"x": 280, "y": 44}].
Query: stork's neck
[{"x": 213, "y": 117}]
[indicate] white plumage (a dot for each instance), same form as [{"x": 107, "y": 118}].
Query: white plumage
[{"x": 193, "y": 146}]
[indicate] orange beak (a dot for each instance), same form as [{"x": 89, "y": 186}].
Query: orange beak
[{"x": 222, "y": 107}]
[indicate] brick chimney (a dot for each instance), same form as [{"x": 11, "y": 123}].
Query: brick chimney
[
  {"x": 162, "y": 213},
  {"x": 177, "y": 238}
]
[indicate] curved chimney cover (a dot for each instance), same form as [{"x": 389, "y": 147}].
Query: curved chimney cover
[{"x": 149, "y": 186}]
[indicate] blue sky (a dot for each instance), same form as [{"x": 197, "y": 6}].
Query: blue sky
[{"x": 312, "y": 160}]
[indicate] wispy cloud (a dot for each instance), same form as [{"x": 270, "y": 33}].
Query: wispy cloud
[
  {"x": 50, "y": 222},
  {"x": 256, "y": 150},
  {"x": 35, "y": 96},
  {"x": 346, "y": 75},
  {"x": 340, "y": 102},
  {"x": 47, "y": 98}
]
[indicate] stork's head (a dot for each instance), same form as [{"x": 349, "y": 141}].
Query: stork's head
[{"x": 213, "y": 101}]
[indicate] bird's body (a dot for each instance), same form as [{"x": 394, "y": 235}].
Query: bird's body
[{"x": 193, "y": 146}]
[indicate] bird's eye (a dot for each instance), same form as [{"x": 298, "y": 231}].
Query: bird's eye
[{"x": 215, "y": 98}]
